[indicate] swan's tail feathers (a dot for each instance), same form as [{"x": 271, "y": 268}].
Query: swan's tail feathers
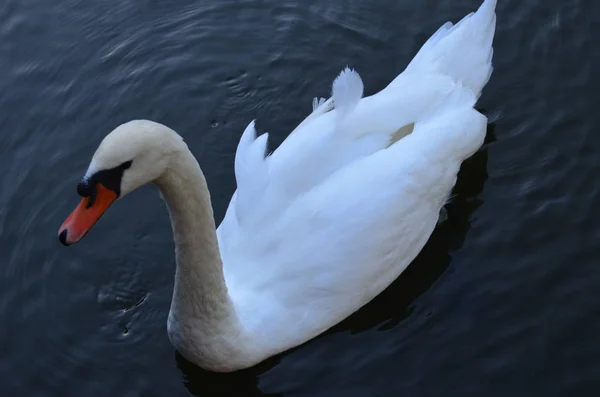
[
  {"x": 251, "y": 170},
  {"x": 347, "y": 91},
  {"x": 462, "y": 51}
]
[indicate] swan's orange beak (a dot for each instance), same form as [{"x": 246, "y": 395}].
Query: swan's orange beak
[{"x": 89, "y": 210}]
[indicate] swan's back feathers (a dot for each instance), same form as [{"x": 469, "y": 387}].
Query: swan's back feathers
[
  {"x": 251, "y": 171},
  {"x": 462, "y": 51},
  {"x": 328, "y": 142},
  {"x": 445, "y": 76},
  {"x": 340, "y": 209}
]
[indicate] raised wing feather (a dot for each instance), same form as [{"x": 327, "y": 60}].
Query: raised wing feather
[{"x": 251, "y": 172}]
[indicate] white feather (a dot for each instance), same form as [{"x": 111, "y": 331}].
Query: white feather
[
  {"x": 347, "y": 91},
  {"x": 317, "y": 102},
  {"x": 251, "y": 171}
]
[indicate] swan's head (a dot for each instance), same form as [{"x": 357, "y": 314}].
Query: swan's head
[{"x": 132, "y": 155}]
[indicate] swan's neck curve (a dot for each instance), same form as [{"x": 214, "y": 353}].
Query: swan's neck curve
[{"x": 202, "y": 323}]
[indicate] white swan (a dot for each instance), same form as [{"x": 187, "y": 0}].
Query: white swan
[{"x": 321, "y": 226}]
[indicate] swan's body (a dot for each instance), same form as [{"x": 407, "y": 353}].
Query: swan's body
[{"x": 325, "y": 223}]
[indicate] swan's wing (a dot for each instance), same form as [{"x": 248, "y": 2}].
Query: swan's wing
[
  {"x": 325, "y": 144},
  {"x": 317, "y": 147},
  {"x": 354, "y": 129},
  {"x": 344, "y": 241},
  {"x": 330, "y": 139},
  {"x": 345, "y": 207}
]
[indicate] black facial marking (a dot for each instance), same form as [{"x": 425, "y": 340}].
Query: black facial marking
[{"x": 110, "y": 179}]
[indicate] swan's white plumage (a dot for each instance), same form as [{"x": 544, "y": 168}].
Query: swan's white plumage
[{"x": 345, "y": 210}]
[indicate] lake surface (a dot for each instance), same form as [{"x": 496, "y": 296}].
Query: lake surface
[{"x": 503, "y": 301}]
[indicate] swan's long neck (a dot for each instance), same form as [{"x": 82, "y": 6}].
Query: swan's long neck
[{"x": 201, "y": 308}]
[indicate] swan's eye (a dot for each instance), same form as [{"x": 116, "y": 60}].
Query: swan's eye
[{"x": 85, "y": 188}]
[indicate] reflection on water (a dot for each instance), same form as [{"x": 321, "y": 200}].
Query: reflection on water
[{"x": 204, "y": 383}]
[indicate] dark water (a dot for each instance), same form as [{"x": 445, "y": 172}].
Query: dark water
[{"x": 503, "y": 301}]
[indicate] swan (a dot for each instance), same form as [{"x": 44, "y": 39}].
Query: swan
[{"x": 322, "y": 225}]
